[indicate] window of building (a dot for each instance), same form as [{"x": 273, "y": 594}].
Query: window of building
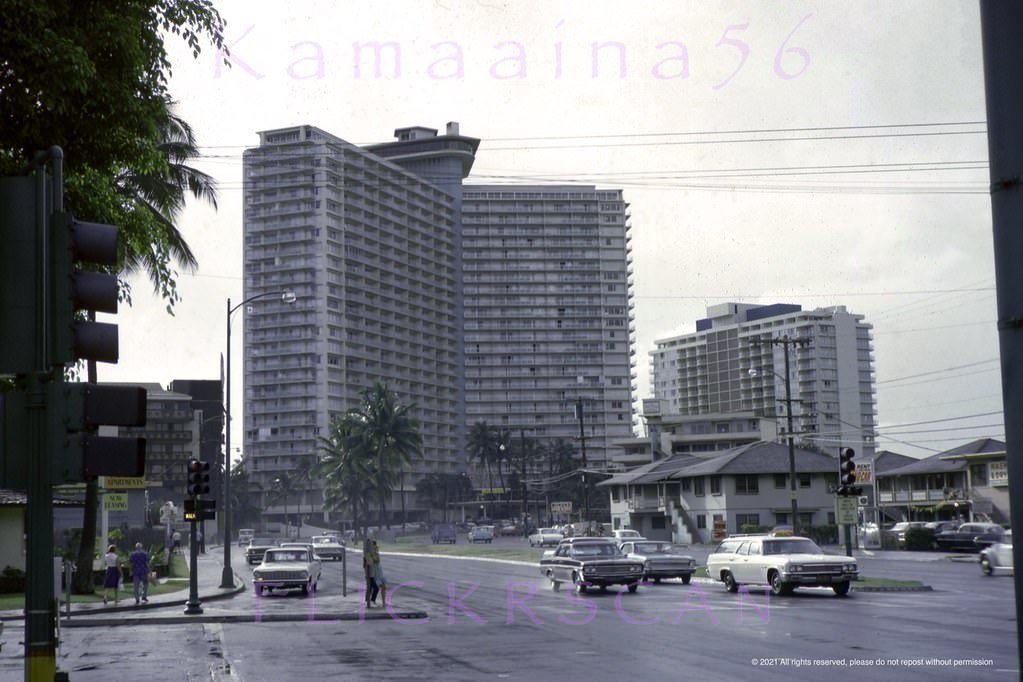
[
  {"x": 698, "y": 487},
  {"x": 804, "y": 480},
  {"x": 742, "y": 520},
  {"x": 978, "y": 474},
  {"x": 715, "y": 485},
  {"x": 747, "y": 484},
  {"x": 658, "y": 523},
  {"x": 781, "y": 519},
  {"x": 780, "y": 480},
  {"x": 687, "y": 485},
  {"x": 701, "y": 521}
]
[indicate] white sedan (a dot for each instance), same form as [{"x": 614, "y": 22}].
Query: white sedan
[
  {"x": 998, "y": 557},
  {"x": 545, "y": 536},
  {"x": 287, "y": 568}
]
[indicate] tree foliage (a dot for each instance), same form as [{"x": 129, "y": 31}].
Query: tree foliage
[{"x": 92, "y": 78}]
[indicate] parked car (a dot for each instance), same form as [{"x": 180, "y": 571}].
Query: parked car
[
  {"x": 287, "y": 568},
  {"x": 626, "y": 534},
  {"x": 941, "y": 526},
  {"x": 782, "y": 563},
  {"x": 782, "y": 531},
  {"x": 590, "y": 562},
  {"x": 510, "y": 530},
  {"x": 660, "y": 560},
  {"x": 443, "y": 532},
  {"x": 898, "y": 531},
  {"x": 998, "y": 557},
  {"x": 545, "y": 536},
  {"x": 970, "y": 537},
  {"x": 481, "y": 534},
  {"x": 328, "y": 547},
  {"x": 256, "y": 547}
]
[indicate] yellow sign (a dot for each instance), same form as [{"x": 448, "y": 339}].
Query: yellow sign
[
  {"x": 115, "y": 502},
  {"x": 123, "y": 482}
]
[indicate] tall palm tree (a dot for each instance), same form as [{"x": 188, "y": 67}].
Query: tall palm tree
[
  {"x": 384, "y": 426},
  {"x": 161, "y": 192},
  {"x": 346, "y": 470},
  {"x": 482, "y": 444}
]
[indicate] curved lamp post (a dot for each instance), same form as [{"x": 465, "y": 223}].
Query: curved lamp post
[{"x": 227, "y": 577}]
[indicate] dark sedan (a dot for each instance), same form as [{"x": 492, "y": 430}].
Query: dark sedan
[
  {"x": 660, "y": 560},
  {"x": 257, "y": 547},
  {"x": 970, "y": 537},
  {"x": 590, "y": 562}
]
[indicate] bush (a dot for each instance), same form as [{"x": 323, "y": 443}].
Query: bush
[
  {"x": 750, "y": 529},
  {"x": 919, "y": 539},
  {"x": 822, "y": 535}
]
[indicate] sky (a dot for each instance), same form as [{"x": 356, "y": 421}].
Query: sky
[{"x": 817, "y": 153}]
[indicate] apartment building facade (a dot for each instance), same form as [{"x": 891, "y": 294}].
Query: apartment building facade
[
  {"x": 400, "y": 277},
  {"x": 736, "y": 361},
  {"x": 548, "y": 313}
]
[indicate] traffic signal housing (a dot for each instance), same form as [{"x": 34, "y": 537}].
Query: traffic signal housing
[
  {"x": 73, "y": 288},
  {"x": 846, "y": 471},
  {"x": 198, "y": 477}
]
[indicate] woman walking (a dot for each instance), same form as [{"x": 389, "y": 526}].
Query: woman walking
[
  {"x": 113, "y": 575},
  {"x": 370, "y": 565}
]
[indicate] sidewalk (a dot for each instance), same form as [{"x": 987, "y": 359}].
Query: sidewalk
[{"x": 210, "y": 570}]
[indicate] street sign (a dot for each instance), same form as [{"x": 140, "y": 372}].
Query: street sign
[
  {"x": 561, "y": 507},
  {"x": 845, "y": 510},
  {"x": 864, "y": 473},
  {"x": 122, "y": 482},
  {"x": 115, "y": 502}
]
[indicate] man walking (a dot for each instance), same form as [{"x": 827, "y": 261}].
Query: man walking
[{"x": 139, "y": 560}]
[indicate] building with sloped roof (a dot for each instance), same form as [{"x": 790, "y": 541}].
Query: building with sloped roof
[{"x": 688, "y": 498}]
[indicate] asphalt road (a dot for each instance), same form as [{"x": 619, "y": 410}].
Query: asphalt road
[{"x": 497, "y": 620}]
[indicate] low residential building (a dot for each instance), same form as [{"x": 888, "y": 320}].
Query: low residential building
[
  {"x": 965, "y": 483},
  {"x": 687, "y": 498}
]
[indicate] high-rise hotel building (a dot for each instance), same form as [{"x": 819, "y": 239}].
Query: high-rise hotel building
[
  {"x": 736, "y": 362},
  {"x": 507, "y": 304}
]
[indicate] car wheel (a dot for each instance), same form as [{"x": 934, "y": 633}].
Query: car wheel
[
  {"x": 580, "y": 584},
  {"x": 985, "y": 566},
  {"x": 305, "y": 588},
  {"x": 841, "y": 589},
  {"x": 657, "y": 580},
  {"x": 633, "y": 587},
  {"x": 686, "y": 579},
  {"x": 778, "y": 586},
  {"x": 729, "y": 581},
  {"x": 555, "y": 585}
]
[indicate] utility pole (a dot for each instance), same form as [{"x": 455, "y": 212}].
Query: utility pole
[
  {"x": 582, "y": 446},
  {"x": 786, "y": 343},
  {"x": 1000, "y": 25},
  {"x": 525, "y": 492}
]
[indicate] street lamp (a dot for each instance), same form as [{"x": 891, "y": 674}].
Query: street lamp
[{"x": 227, "y": 577}]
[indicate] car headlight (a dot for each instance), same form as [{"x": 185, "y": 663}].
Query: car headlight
[
  {"x": 849, "y": 568},
  {"x": 795, "y": 568},
  {"x": 692, "y": 562},
  {"x": 635, "y": 569},
  {"x": 646, "y": 566},
  {"x": 589, "y": 569}
]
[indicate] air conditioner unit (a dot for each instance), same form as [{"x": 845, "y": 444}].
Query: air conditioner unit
[{"x": 864, "y": 500}]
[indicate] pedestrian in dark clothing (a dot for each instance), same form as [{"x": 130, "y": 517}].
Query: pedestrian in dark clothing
[
  {"x": 140, "y": 572},
  {"x": 370, "y": 565}
]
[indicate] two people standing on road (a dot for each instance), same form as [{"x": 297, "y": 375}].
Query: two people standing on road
[
  {"x": 113, "y": 574},
  {"x": 374, "y": 573},
  {"x": 140, "y": 572}
]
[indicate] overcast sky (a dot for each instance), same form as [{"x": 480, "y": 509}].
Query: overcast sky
[{"x": 818, "y": 153}]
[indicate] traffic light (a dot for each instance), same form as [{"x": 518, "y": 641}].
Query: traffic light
[
  {"x": 77, "y": 410},
  {"x": 198, "y": 477},
  {"x": 73, "y": 289},
  {"x": 847, "y": 471}
]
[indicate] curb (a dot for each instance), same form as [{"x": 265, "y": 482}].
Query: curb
[{"x": 246, "y": 618}]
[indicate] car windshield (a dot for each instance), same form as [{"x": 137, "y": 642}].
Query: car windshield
[
  {"x": 280, "y": 555},
  {"x": 791, "y": 546},
  {"x": 603, "y": 549},
  {"x": 652, "y": 547}
]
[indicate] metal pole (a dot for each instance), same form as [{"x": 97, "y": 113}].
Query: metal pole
[
  {"x": 227, "y": 575},
  {"x": 1001, "y": 24},
  {"x": 193, "y": 606},
  {"x": 525, "y": 492},
  {"x": 582, "y": 445},
  {"x": 792, "y": 445}
]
